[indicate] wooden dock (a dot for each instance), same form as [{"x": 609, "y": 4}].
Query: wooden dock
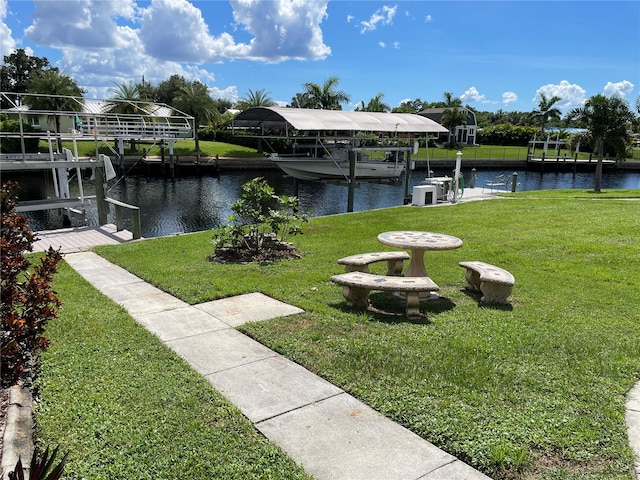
[{"x": 79, "y": 239}]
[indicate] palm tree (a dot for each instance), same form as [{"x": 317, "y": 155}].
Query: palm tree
[
  {"x": 453, "y": 115},
  {"x": 56, "y": 92},
  {"x": 125, "y": 99},
  {"x": 259, "y": 98},
  {"x": 324, "y": 97},
  {"x": 375, "y": 105},
  {"x": 546, "y": 110},
  {"x": 450, "y": 101},
  {"x": 608, "y": 120},
  {"x": 194, "y": 99}
]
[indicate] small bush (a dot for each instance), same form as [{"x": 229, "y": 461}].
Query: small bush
[
  {"x": 261, "y": 224},
  {"x": 13, "y": 144},
  {"x": 28, "y": 301}
]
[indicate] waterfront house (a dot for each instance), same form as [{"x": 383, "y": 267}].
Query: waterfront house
[{"x": 465, "y": 134}]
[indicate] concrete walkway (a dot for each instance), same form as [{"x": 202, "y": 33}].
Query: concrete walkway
[
  {"x": 327, "y": 431},
  {"x": 79, "y": 239}
]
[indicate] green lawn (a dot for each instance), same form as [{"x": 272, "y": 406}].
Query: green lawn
[
  {"x": 123, "y": 405},
  {"x": 86, "y": 148},
  {"x": 536, "y": 390}
]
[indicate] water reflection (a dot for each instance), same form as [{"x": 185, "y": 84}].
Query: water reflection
[{"x": 200, "y": 203}]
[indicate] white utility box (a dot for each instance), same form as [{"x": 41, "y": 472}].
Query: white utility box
[{"x": 424, "y": 195}]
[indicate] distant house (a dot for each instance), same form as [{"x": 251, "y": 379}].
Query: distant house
[{"x": 465, "y": 134}]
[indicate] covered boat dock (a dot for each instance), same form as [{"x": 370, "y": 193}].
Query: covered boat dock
[
  {"x": 281, "y": 122},
  {"x": 320, "y": 132}
]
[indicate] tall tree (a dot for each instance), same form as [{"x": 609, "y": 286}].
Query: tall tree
[
  {"x": 453, "y": 115},
  {"x": 57, "y": 92},
  {"x": 325, "y": 96},
  {"x": 450, "y": 101},
  {"x": 259, "y": 98},
  {"x": 411, "y": 106},
  {"x": 608, "y": 120},
  {"x": 146, "y": 91},
  {"x": 375, "y": 105},
  {"x": 194, "y": 99},
  {"x": 300, "y": 100},
  {"x": 223, "y": 104},
  {"x": 17, "y": 69},
  {"x": 169, "y": 89},
  {"x": 124, "y": 99},
  {"x": 546, "y": 110}
]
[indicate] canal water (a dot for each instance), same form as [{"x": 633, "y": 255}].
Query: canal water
[{"x": 196, "y": 203}]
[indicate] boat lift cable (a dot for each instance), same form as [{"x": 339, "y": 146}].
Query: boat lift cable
[
  {"x": 334, "y": 160},
  {"x": 128, "y": 171},
  {"x": 273, "y": 150}
]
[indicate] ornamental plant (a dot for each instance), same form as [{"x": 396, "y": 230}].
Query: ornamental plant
[
  {"x": 260, "y": 226},
  {"x": 28, "y": 300},
  {"x": 42, "y": 467}
]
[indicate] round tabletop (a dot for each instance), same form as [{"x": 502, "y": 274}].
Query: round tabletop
[{"x": 419, "y": 240}]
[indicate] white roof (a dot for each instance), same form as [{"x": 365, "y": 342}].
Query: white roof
[
  {"x": 92, "y": 106},
  {"x": 323, "y": 120}
]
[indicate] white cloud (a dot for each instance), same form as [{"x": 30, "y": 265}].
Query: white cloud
[
  {"x": 229, "y": 93},
  {"x": 175, "y": 30},
  {"x": 618, "y": 89},
  {"x": 572, "y": 95},
  {"x": 107, "y": 41},
  {"x": 79, "y": 23},
  {"x": 396, "y": 45},
  {"x": 472, "y": 95},
  {"x": 349, "y": 18},
  {"x": 382, "y": 44},
  {"x": 427, "y": 19},
  {"x": 509, "y": 97},
  {"x": 7, "y": 42},
  {"x": 282, "y": 30},
  {"x": 383, "y": 16}
]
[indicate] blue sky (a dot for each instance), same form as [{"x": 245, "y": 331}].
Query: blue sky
[{"x": 493, "y": 55}]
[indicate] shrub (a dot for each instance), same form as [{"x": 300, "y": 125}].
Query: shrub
[
  {"x": 13, "y": 144},
  {"x": 28, "y": 301},
  {"x": 261, "y": 224},
  {"x": 506, "y": 134}
]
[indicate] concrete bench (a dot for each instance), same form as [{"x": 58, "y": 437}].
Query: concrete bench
[
  {"x": 494, "y": 282},
  {"x": 357, "y": 285},
  {"x": 361, "y": 262}
]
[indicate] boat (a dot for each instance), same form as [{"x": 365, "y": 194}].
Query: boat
[{"x": 333, "y": 163}]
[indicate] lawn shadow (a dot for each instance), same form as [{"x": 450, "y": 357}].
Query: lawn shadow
[
  {"x": 385, "y": 307},
  {"x": 476, "y": 296}
]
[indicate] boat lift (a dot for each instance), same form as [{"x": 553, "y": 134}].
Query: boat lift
[
  {"x": 80, "y": 119},
  {"x": 392, "y": 131}
]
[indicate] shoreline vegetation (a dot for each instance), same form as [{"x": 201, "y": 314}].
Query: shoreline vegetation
[{"x": 535, "y": 390}]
